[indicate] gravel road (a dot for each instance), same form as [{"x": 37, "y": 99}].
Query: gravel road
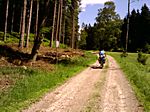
[{"x": 116, "y": 93}]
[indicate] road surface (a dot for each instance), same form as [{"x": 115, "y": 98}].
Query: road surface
[{"x": 114, "y": 93}]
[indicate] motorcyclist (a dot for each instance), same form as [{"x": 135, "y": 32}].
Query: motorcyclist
[{"x": 102, "y": 56}]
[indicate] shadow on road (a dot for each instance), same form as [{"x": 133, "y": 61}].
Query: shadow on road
[
  {"x": 96, "y": 67},
  {"x": 110, "y": 68}
]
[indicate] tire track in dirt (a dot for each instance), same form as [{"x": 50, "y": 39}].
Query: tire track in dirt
[
  {"x": 116, "y": 94},
  {"x": 70, "y": 97}
]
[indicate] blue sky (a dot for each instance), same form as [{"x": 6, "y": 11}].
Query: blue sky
[{"x": 90, "y": 8}]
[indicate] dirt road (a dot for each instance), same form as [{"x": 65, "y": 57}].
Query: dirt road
[{"x": 115, "y": 95}]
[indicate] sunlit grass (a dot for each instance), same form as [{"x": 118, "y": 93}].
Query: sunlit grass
[
  {"x": 31, "y": 84},
  {"x": 138, "y": 75}
]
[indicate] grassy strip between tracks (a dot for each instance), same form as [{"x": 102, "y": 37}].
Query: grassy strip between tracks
[
  {"x": 28, "y": 85},
  {"x": 138, "y": 75}
]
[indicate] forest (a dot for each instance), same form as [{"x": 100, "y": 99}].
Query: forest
[
  {"x": 109, "y": 30},
  {"x": 30, "y": 22},
  {"x": 42, "y": 48}
]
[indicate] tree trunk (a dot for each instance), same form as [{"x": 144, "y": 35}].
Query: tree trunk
[
  {"x": 21, "y": 43},
  {"x": 20, "y": 21},
  {"x": 127, "y": 33},
  {"x": 39, "y": 37},
  {"x": 37, "y": 18},
  {"x": 29, "y": 24},
  {"x": 54, "y": 20},
  {"x": 58, "y": 19},
  {"x": 73, "y": 30},
  {"x": 5, "y": 31},
  {"x": 60, "y": 24},
  {"x": 64, "y": 25},
  {"x": 12, "y": 21}
]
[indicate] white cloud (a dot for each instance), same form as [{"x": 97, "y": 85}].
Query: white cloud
[{"x": 84, "y": 3}]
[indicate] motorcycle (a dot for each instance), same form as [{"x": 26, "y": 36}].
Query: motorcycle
[{"x": 101, "y": 61}]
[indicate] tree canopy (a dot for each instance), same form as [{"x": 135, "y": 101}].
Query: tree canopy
[
  {"x": 139, "y": 35},
  {"x": 109, "y": 30},
  {"x": 106, "y": 31}
]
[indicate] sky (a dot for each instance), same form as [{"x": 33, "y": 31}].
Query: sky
[{"x": 90, "y": 8}]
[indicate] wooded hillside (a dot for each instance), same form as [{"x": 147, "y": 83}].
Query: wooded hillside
[{"x": 53, "y": 20}]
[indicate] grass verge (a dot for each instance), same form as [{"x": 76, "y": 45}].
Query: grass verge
[
  {"x": 138, "y": 75},
  {"x": 29, "y": 85}
]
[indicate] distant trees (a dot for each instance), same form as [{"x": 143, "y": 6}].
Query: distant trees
[
  {"x": 139, "y": 34},
  {"x": 106, "y": 31},
  {"x": 58, "y": 20},
  {"x": 109, "y": 31}
]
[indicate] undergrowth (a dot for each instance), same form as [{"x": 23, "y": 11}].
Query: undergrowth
[{"x": 14, "y": 38}]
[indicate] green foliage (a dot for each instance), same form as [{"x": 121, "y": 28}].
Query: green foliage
[
  {"x": 106, "y": 31},
  {"x": 72, "y": 9},
  {"x": 147, "y": 48},
  {"x": 142, "y": 58},
  {"x": 124, "y": 54},
  {"x": 1, "y": 35},
  {"x": 138, "y": 75},
  {"x": 46, "y": 42},
  {"x": 63, "y": 46},
  {"x": 139, "y": 34},
  {"x": 25, "y": 91},
  {"x": 45, "y": 30},
  {"x": 69, "y": 2},
  {"x": 82, "y": 41},
  {"x": 11, "y": 38},
  {"x": 15, "y": 34}
]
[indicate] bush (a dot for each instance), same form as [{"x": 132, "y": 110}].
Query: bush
[
  {"x": 142, "y": 58},
  {"x": 147, "y": 48},
  {"x": 124, "y": 54}
]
